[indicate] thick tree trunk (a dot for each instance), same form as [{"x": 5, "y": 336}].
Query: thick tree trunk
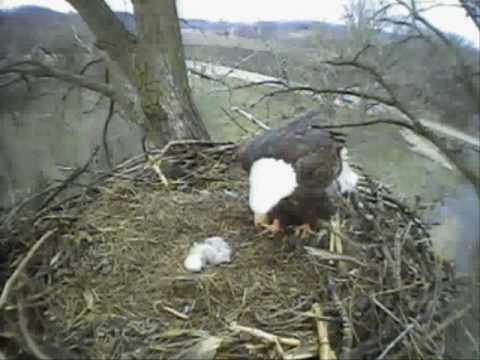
[
  {"x": 154, "y": 63},
  {"x": 161, "y": 75}
]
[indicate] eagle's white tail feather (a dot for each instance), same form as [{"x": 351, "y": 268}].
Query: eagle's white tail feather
[
  {"x": 270, "y": 181},
  {"x": 348, "y": 179}
]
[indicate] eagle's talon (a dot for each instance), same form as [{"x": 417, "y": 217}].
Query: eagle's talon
[
  {"x": 304, "y": 231},
  {"x": 271, "y": 229}
]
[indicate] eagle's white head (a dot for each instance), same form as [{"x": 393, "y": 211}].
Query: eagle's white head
[{"x": 271, "y": 180}]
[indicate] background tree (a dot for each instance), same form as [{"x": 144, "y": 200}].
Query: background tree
[
  {"x": 396, "y": 64},
  {"x": 150, "y": 78}
]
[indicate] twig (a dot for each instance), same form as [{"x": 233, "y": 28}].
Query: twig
[
  {"x": 395, "y": 341},
  {"x": 327, "y": 255},
  {"x": 397, "y": 255},
  {"x": 387, "y": 311},
  {"x": 69, "y": 180},
  {"x": 111, "y": 108},
  {"x": 176, "y": 313},
  {"x": 366, "y": 123},
  {"x": 325, "y": 352},
  {"x": 264, "y": 335},
  {"x": 279, "y": 348},
  {"x": 233, "y": 120},
  {"x": 347, "y": 339},
  {"x": 237, "y": 65},
  {"x": 38, "y": 69},
  {"x": 173, "y": 143},
  {"x": 30, "y": 341},
  {"x": 316, "y": 91},
  {"x": 15, "y": 209},
  {"x": 450, "y": 320},
  {"x": 21, "y": 267},
  {"x": 250, "y": 117},
  {"x": 155, "y": 165}
]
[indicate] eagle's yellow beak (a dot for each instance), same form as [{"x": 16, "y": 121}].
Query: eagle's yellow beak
[{"x": 260, "y": 220}]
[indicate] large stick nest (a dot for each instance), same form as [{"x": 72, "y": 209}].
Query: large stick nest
[{"x": 109, "y": 281}]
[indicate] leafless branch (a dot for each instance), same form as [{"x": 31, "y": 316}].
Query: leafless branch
[
  {"x": 207, "y": 77},
  {"x": 38, "y": 69},
  {"x": 377, "y": 77},
  {"x": 30, "y": 341},
  {"x": 367, "y": 123},
  {"x": 111, "y": 108},
  {"x": 69, "y": 180},
  {"x": 251, "y": 117},
  {"x": 239, "y": 63},
  {"x": 21, "y": 267},
  {"x": 361, "y": 52},
  {"x": 110, "y": 32},
  {"x": 89, "y": 64},
  {"x": 472, "y": 8},
  {"x": 316, "y": 91},
  {"x": 415, "y": 16},
  {"x": 233, "y": 120},
  {"x": 279, "y": 83}
]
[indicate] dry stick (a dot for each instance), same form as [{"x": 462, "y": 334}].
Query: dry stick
[
  {"x": 387, "y": 311},
  {"x": 233, "y": 120},
  {"x": 155, "y": 160},
  {"x": 279, "y": 348},
  {"x": 175, "y": 313},
  {"x": 330, "y": 256},
  {"x": 172, "y": 143},
  {"x": 397, "y": 258},
  {"x": 156, "y": 167},
  {"x": 70, "y": 179},
  {"x": 111, "y": 108},
  {"x": 395, "y": 341},
  {"x": 338, "y": 244},
  {"x": 325, "y": 352},
  {"x": 15, "y": 209},
  {"x": 264, "y": 335},
  {"x": 347, "y": 338},
  {"x": 250, "y": 117},
  {"x": 23, "y": 264},
  {"x": 450, "y": 320},
  {"x": 31, "y": 343},
  {"x": 331, "y": 244}
]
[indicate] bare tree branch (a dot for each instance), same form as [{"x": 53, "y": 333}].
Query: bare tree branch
[
  {"x": 417, "y": 126},
  {"x": 472, "y": 8},
  {"x": 316, "y": 91},
  {"x": 465, "y": 74},
  {"x": 111, "y": 108},
  {"x": 38, "y": 69},
  {"x": 367, "y": 123},
  {"x": 89, "y": 64},
  {"x": 111, "y": 35},
  {"x": 393, "y": 99}
]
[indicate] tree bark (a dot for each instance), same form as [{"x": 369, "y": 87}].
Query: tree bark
[
  {"x": 153, "y": 62},
  {"x": 161, "y": 75}
]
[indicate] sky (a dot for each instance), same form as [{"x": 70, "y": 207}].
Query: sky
[{"x": 449, "y": 19}]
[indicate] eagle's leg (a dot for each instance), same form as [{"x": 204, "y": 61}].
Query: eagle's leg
[
  {"x": 303, "y": 231},
  {"x": 260, "y": 220},
  {"x": 272, "y": 228}
]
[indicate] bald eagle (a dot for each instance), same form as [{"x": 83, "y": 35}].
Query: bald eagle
[{"x": 295, "y": 172}]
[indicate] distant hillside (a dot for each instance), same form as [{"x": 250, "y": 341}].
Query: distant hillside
[{"x": 29, "y": 25}]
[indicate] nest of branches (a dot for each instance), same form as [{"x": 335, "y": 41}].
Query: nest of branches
[{"x": 103, "y": 276}]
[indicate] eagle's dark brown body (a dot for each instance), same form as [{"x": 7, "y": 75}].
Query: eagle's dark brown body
[{"x": 315, "y": 156}]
